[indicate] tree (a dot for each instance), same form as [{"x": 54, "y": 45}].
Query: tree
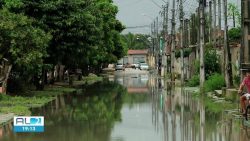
[
  {"x": 234, "y": 13},
  {"x": 23, "y": 44},
  {"x": 234, "y": 34},
  {"x": 136, "y": 41},
  {"x": 85, "y": 33}
]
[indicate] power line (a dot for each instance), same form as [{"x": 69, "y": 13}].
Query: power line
[{"x": 139, "y": 26}]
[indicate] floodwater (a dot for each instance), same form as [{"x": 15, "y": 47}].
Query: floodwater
[{"x": 133, "y": 108}]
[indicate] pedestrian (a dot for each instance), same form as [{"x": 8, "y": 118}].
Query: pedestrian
[{"x": 245, "y": 97}]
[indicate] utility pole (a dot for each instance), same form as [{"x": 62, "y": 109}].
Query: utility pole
[
  {"x": 245, "y": 45},
  {"x": 228, "y": 63},
  {"x": 214, "y": 30},
  {"x": 154, "y": 44},
  {"x": 165, "y": 34},
  {"x": 187, "y": 43},
  {"x": 198, "y": 37},
  {"x": 219, "y": 20},
  {"x": 202, "y": 43},
  {"x": 220, "y": 39},
  {"x": 182, "y": 40},
  {"x": 157, "y": 45},
  {"x": 173, "y": 43},
  {"x": 188, "y": 32},
  {"x": 210, "y": 22}
]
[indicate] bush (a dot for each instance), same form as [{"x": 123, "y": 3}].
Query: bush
[
  {"x": 1, "y": 96},
  {"x": 236, "y": 80},
  {"x": 194, "y": 81},
  {"x": 215, "y": 81}
]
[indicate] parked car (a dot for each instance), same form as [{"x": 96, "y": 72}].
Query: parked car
[
  {"x": 135, "y": 66},
  {"x": 119, "y": 67},
  {"x": 143, "y": 66}
]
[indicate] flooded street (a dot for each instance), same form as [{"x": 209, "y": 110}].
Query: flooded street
[{"x": 134, "y": 108}]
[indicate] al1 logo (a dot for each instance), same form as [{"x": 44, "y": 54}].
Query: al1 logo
[{"x": 28, "y": 124}]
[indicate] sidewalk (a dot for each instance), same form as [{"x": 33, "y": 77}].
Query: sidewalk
[{"x": 5, "y": 118}]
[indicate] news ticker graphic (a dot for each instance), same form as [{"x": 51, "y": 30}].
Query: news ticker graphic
[{"x": 28, "y": 124}]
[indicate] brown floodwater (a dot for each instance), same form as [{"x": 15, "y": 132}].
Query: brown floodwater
[{"x": 134, "y": 108}]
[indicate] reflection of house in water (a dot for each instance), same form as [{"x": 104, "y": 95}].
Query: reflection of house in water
[{"x": 135, "y": 83}]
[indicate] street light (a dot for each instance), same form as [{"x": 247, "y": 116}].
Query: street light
[{"x": 143, "y": 14}]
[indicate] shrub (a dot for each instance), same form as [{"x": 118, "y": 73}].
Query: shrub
[
  {"x": 236, "y": 80},
  {"x": 211, "y": 61},
  {"x": 1, "y": 96},
  {"x": 215, "y": 81},
  {"x": 194, "y": 81}
]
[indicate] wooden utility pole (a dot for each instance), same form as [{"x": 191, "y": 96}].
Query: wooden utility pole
[
  {"x": 228, "y": 63},
  {"x": 173, "y": 43},
  {"x": 210, "y": 22},
  {"x": 202, "y": 43},
  {"x": 181, "y": 41},
  {"x": 214, "y": 30}
]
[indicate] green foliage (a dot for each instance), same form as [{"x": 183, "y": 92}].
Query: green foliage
[
  {"x": 136, "y": 41},
  {"x": 234, "y": 12},
  {"x": 194, "y": 81},
  {"x": 197, "y": 66},
  {"x": 236, "y": 80},
  {"x": 186, "y": 52},
  {"x": 214, "y": 82},
  {"x": 20, "y": 41},
  {"x": 21, "y": 105},
  {"x": 215, "y": 108},
  {"x": 211, "y": 61},
  {"x": 78, "y": 34},
  {"x": 102, "y": 105},
  {"x": 17, "y": 110},
  {"x": 194, "y": 20},
  {"x": 13, "y": 3},
  {"x": 234, "y": 34}
]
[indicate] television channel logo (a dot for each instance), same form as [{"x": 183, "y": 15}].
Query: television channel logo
[{"x": 28, "y": 124}]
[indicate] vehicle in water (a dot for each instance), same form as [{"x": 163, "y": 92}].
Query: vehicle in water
[{"x": 143, "y": 66}]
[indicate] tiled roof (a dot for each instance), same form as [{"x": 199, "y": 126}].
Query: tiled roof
[{"x": 133, "y": 52}]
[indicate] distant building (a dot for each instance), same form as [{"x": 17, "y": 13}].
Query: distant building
[{"x": 135, "y": 56}]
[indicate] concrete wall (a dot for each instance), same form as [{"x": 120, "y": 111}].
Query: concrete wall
[{"x": 189, "y": 67}]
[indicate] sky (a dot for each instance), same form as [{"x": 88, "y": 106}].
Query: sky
[{"x": 134, "y": 13}]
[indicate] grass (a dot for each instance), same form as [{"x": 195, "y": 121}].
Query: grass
[
  {"x": 214, "y": 82},
  {"x": 194, "y": 81},
  {"x": 20, "y": 105},
  {"x": 91, "y": 78},
  {"x": 214, "y": 107}
]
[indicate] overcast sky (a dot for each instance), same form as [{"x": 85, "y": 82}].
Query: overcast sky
[{"x": 134, "y": 13}]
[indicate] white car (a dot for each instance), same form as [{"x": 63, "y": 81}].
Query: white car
[
  {"x": 143, "y": 66},
  {"x": 136, "y": 65},
  {"x": 119, "y": 67}
]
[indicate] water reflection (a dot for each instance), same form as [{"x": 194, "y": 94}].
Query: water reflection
[{"x": 144, "y": 108}]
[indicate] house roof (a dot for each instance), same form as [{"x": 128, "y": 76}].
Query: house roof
[{"x": 141, "y": 52}]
